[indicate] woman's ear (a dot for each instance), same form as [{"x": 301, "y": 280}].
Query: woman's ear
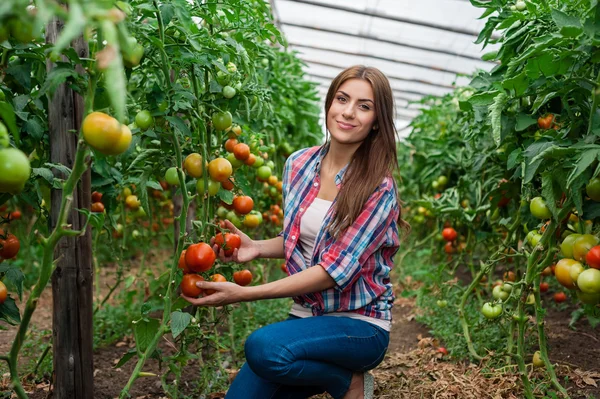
[{"x": 376, "y": 127}]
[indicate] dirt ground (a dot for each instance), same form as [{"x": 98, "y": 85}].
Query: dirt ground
[{"x": 413, "y": 367}]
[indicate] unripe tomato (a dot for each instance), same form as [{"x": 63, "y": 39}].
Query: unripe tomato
[
  {"x": 258, "y": 162},
  {"x": 563, "y": 272},
  {"x": 575, "y": 271},
  {"x": 200, "y": 257},
  {"x": 132, "y": 202},
  {"x": 188, "y": 285},
  {"x": 144, "y": 120},
  {"x": 592, "y": 189},
  {"x": 449, "y": 234},
  {"x": 14, "y": 170},
  {"x": 3, "y": 293},
  {"x": 539, "y": 209},
  {"x": 123, "y": 144},
  {"x": 582, "y": 245},
  {"x": 588, "y": 281},
  {"x": 590, "y": 299},
  {"x": 560, "y": 297},
  {"x": 222, "y": 120},
  {"x": 228, "y": 92},
  {"x": 220, "y": 169},
  {"x": 216, "y": 278},
  {"x": 500, "y": 294},
  {"x": 442, "y": 181},
  {"x": 172, "y": 177},
  {"x": 566, "y": 247},
  {"x": 592, "y": 258},
  {"x": 272, "y": 180},
  {"x": 243, "y": 277},
  {"x": 547, "y": 271},
  {"x": 537, "y": 360},
  {"x": 235, "y": 163},
  {"x": 193, "y": 165},
  {"x": 241, "y": 151},
  {"x": 213, "y": 187},
  {"x": 96, "y": 196},
  {"x": 243, "y": 204},
  {"x": 491, "y": 311},
  {"x": 233, "y": 218},
  {"x": 9, "y": 247},
  {"x": 97, "y": 207},
  {"x": 101, "y": 131},
  {"x": 263, "y": 173},
  {"x": 237, "y": 130}
]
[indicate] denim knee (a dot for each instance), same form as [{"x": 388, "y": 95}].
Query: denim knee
[{"x": 266, "y": 358}]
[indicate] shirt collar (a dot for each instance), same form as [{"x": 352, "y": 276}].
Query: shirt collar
[{"x": 322, "y": 152}]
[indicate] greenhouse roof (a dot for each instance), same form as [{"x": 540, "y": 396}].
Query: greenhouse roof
[{"x": 425, "y": 47}]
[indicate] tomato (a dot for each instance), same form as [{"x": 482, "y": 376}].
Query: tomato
[
  {"x": 251, "y": 220},
  {"x": 263, "y": 173},
  {"x": 213, "y": 187},
  {"x": 101, "y": 131},
  {"x": 499, "y": 293},
  {"x": 200, "y": 257},
  {"x": 220, "y": 169},
  {"x": 164, "y": 185},
  {"x": 15, "y": 215},
  {"x": 592, "y": 258},
  {"x": 241, "y": 151},
  {"x": 3, "y": 293},
  {"x": 582, "y": 245},
  {"x": 442, "y": 350},
  {"x": 243, "y": 277},
  {"x": 144, "y": 120},
  {"x": 547, "y": 271},
  {"x": 442, "y": 181},
  {"x": 566, "y": 247},
  {"x": 251, "y": 160},
  {"x": 222, "y": 120},
  {"x": 133, "y": 57},
  {"x": 544, "y": 287},
  {"x": 539, "y": 209},
  {"x": 227, "y": 185},
  {"x": 258, "y": 162},
  {"x": 216, "y": 278},
  {"x": 510, "y": 276},
  {"x": 235, "y": 163},
  {"x": 230, "y": 144},
  {"x": 14, "y": 170},
  {"x": 448, "y": 248},
  {"x": 228, "y": 92},
  {"x": 537, "y": 360},
  {"x": 544, "y": 122},
  {"x": 182, "y": 264},
  {"x": 563, "y": 272},
  {"x": 9, "y": 247},
  {"x": 575, "y": 271},
  {"x": 228, "y": 242},
  {"x": 237, "y": 130},
  {"x": 96, "y": 196},
  {"x": 592, "y": 189},
  {"x": 442, "y": 303},
  {"x": 491, "y": 311},
  {"x": 588, "y": 281},
  {"x": 123, "y": 144},
  {"x": 193, "y": 165},
  {"x": 590, "y": 299},
  {"x": 449, "y": 234},
  {"x": 233, "y": 218},
  {"x": 272, "y": 180},
  {"x": 243, "y": 204},
  {"x": 188, "y": 285},
  {"x": 97, "y": 207},
  {"x": 560, "y": 297},
  {"x": 172, "y": 177},
  {"x": 132, "y": 202}
]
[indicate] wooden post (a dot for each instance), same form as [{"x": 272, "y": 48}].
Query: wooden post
[{"x": 72, "y": 281}]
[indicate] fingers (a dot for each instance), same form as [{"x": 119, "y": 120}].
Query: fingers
[{"x": 222, "y": 257}]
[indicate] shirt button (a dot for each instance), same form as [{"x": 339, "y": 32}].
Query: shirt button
[
  {"x": 316, "y": 184},
  {"x": 301, "y": 209},
  {"x": 293, "y": 237}
]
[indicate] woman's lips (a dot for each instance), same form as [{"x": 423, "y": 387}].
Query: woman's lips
[{"x": 345, "y": 126}]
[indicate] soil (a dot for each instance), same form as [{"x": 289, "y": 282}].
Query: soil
[{"x": 413, "y": 368}]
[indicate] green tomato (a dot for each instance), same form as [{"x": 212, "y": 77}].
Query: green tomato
[
  {"x": 589, "y": 281},
  {"x": 228, "y": 92},
  {"x": 238, "y": 86},
  {"x": 231, "y": 67},
  {"x": 223, "y": 78},
  {"x": 222, "y": 212},
  {"x": 491, "y": 311},
  {"x": 236, "y": 163},
  {"x": 566, "y": 247},
  {"x": 172, "y": 177},
  {"x": 263, "y": 172},
  {"x": 442, "y": 181},
  {"x": 592, "y": 189},
  {"x": 163, "y": 105},
  {"x": 144, "y": 120},
  {"x": 590, "y": 299},
  {"x": 499, "y": 294},
  {"x": 233, "y": 218},
  {"x": 520, "y": 5},
  {"x": 442, "y": 303},
  {"x": 260, "y": 161},
  {"x": 539, "y": 209},
  {"x": 271, "y": 164},
  {"x": 435, "y": 185},
  {"x": 213, "y": 187},
  {"x": 222, "y": 120},
  {"x": 14, "y": 170},
  {"x": 506, "y": 287}
]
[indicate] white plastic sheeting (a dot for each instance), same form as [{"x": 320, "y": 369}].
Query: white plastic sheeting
[{"x": 425, "y": 47}]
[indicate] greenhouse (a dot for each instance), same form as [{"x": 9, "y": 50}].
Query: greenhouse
[{"x": 250, "y": 199}]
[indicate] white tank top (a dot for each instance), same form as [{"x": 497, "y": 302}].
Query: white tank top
[{"x": 310, "y": 224}]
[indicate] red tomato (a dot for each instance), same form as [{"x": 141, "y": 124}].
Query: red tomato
[
  {"x": 10, "y": 247},
  {"x": 96, "y": 196},
  {"x": 243, "y": 277},
  {"x": 216, "y": 278},
  {"x": 182, "y": 265},
  {"x": 544, "y": 287},
  {"x": 97, "y": 207},
  {"x": 592, "y": 258},
  {"x": 188, "y": 285},
  {"x": 448, "y": 248},
  {"x": 560, "y": 297},
  {"x": 229, "y": 242},
  {"x": 449, "y": 234},
  {"x": 442, "y": 350},
  {"x": 200, "y": 257},
  {"x": 15, "y": 215},
  {"x": 243, "y": 204}
]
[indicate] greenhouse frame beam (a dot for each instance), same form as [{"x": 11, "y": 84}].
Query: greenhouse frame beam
[
  {"x": 389, "y": 17},
  {"x": 418, "y": 93},
  {"x": 391, "y": 77},
  {"x": 382, "y": 40},
  {"x": 377, "y": 57}
]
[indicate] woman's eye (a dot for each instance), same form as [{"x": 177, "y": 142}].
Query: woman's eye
[
  {"x": 341, "y": 99},
  {"x": 365, "y": 107}
]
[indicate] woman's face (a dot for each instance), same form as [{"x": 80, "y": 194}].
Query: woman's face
[{"x": 352, "y": 112}]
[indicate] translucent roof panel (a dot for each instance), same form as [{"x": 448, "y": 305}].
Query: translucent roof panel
[{"x": 425, "y": 47}]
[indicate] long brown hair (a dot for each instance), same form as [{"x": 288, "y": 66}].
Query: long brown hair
[{"x": 376, "y": 157}]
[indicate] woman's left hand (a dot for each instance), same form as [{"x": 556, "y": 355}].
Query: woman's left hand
[{"x": 224, "y": 294}]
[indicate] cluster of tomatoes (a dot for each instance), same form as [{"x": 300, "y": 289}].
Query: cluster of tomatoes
[
  {"x": 97, "y": 205},
  {"x": 274, "y": 215},
  {"x": 200, "y": 258},
  {"x": 454, "y": 241},
  {"x": 9, "y": 248}
]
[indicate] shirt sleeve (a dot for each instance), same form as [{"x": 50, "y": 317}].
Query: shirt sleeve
[
  {"x": 365, "y": 236},
  {"x": 286, "y": 179}
]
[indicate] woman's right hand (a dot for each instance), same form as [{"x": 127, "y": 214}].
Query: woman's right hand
[{"x": 248, "y": 248}]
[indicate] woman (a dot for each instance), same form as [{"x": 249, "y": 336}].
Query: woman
[{"x": 340, "y": 235}]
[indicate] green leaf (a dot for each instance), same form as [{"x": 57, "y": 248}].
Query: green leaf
[
  {"x": 518, "y": 84},
  {"x": 9, "y": 312},
  {"x": 179, "y": 322},
  {"x": 180, "y": 125},
  {"x": 524, "y": 121},
  {"x": 145, "y": 155},
  {"x": 586, "y": 159},
  {"x": 226, "y": 196},
  {"x": 7, "y": 113},
  {"x": 126, "y": 357},
  {"x": 591, "y": 210},
  {"x": 72, "y": 29},
  {"x": 562, "y": 19},
  {"x": 550, "y": 192},
  {"x": 144, "y": 332},
  {"x": 167, "y": 11},
  {"x": 542, "y": 99},
  {"x": 496, "y": 116},
  {"x": 114, "y": 76}
]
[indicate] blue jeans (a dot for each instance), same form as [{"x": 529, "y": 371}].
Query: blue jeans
[{"x": 298, "y": 358}]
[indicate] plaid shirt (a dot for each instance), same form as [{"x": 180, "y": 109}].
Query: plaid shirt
[{"x": 360, "y": 259}]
